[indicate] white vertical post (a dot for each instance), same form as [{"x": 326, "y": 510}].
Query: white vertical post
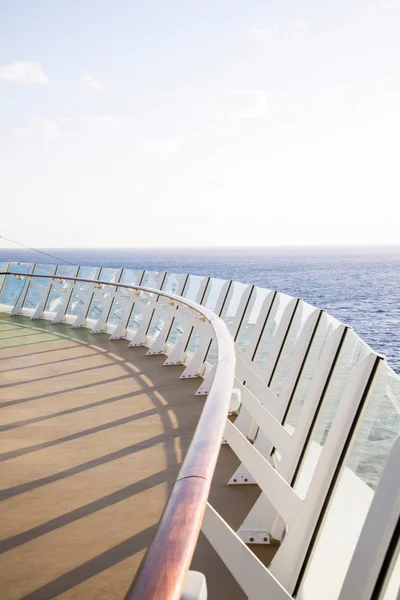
[
  {"x": 65, "y": 290},
  {"x": 17, "y": 310},
  {"x": 260, "y": 324},
  {"x": 100, "y": 324},
  {"x": 129, "y": 304},
  {"x": 290, "y": 459},
  {"x": 81, "y": 317},
  {"x": 158, "y": 346},
  {"x": 194, "y": 369},
  {"x": 243, "y": 303},
  {"x": 2, "y": 277},
  {"x": 44, "y": 295},
  {"x": 140, "y": 336},
  {"x": 374, "y": 546},
  {"x": 288, "y": 562},
  {"x": 177, "y": 355}
]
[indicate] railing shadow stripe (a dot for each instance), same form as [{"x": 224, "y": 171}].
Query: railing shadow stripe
[
  {"x": 68, "y": 411},
  {"x": 91, "y": 464},
  {"x": 74, "y": 436},
  {"x": 69, "y": 390},
  {"x": 83, "y": 511},
  {"x": 94, "y": 566}
]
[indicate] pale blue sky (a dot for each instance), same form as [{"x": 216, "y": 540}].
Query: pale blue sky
[{"x": 218, "y": 122}]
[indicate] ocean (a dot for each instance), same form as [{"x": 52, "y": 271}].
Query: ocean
[{"x": 360, "y": 286}]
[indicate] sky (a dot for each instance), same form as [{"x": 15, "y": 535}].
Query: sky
[{"x": 199, "y": 123}]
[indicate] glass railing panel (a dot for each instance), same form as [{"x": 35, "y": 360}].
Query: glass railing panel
[
  {"x": 191, "y": 292},
  {"x": 13, "y": 287},
  {"x": 108, "y": 274},
  {"x": 158, "y": 318},
  {"x": 33, "y": 295},
  {"x": 353, "y": 350},
  {"x": 231, "y": 306},
  {"x": 174, "y": 282},
  {"x": 81, "y": 290},
  {"x": 213, "y": 292},
  {"x": 151, "y": 279},
  {"x": 54, "y": 300},
  {"x": 325, "y": 327},
  {"x": 96, "y": 308},
  {"x": 141, "y": 305},
  {"x": 375, "y": 434},
  {"x": 270, "y": 330},
  {"x": 250, "y": 318},
  {"x": 192, "y": 287},
  {"x": 129, "y": 277},
  {"x": 212, "y": 354},
  {"x": 210, "y": 301},
  {"x": 303, "y": 312}
]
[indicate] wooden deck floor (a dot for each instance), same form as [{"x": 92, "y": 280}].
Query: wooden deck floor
[{"x": 92, "y": 434}]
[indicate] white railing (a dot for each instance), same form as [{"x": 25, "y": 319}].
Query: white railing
[{"x": 317, "y": 418}]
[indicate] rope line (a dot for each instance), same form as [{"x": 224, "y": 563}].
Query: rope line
[{"x": 2, "y": 237}]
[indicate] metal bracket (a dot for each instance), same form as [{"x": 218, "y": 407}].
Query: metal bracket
[
  {"x": 254, "y": 536},
  {"x": 242, "y": 477}
]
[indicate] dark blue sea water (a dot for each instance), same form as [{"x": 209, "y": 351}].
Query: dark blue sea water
[{"x": 359, "y": 286}]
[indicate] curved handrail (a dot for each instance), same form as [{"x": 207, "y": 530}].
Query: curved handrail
[{"x": 163, "y": 570}]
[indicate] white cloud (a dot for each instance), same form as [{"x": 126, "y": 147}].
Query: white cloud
[
  {"x": 264, "y": 32},
  {"x": 45, "y": 126},
  {"x": 92, "y": 83},
  {"x": 23, "y": 72},
  {"x": 64, "y": 120},
  {"x": 240, "y": 104},
  {"x": 105, "y": 119},
  {"x": 23, "y": 132},
  {"x": 162, "y": 148},
  {"x": 302, "y": 25}
]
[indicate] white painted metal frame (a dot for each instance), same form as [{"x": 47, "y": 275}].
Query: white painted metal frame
[{"x": 259, "y": 427}]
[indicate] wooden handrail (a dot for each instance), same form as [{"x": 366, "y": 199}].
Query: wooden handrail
[{"x": 164, "y": 567}]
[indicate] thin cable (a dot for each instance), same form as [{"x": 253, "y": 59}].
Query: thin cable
[{"x": 2, "y": 237}]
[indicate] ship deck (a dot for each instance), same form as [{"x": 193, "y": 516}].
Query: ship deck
[{"x": 92, "y": 435}]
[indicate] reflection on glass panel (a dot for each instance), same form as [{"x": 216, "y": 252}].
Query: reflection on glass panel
[
  {"x": 250, "y": 317},
  {"x": 96, "y": 306},
  {"x": 141, "y": 304},
  {"x": 33, "y": 295},
  {"x": 213, "y": 292},
  {"x": 375, "y": 434},
  {"x": 13, "y": 288},
  {"x": 326, "y": 325},
  {"x": 353, "y": 350},
  {"x": 192, "y": 287},
  {"x": 81, "y": 290},
  {"x": 151, "y": 279},
  {"x": 191, "y": 291},
  {"x": 270, "y": 330},
  {"x": 230, "y": 308},
  {"x": 54, "y": 300},
  {"x": 212, "y": 353},
  {"x": 174, "y": 282},
  {"x": 391, "y": 586},
  {"x": 129, "y": 277},
  {"x": 107, "y": 274},
  {"x": 210, "y": 300},
  {"x": 194, "y": 342},
  {"x": 301, "y": 315},
  {"x": 176, "y": 332},
  {"x": 157, "y": 323}
]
